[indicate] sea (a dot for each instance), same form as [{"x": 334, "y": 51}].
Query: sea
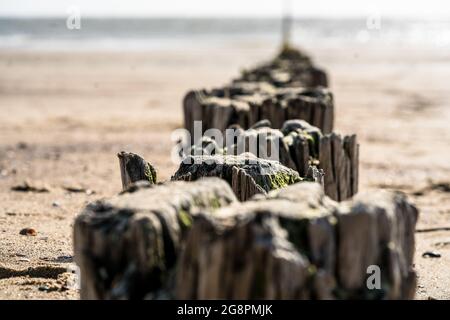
[{"x": 136, "y": 34}]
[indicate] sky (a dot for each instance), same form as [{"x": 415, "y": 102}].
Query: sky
[{"x": 228, "y": 8}]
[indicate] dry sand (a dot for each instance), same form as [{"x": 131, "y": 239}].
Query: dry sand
[{"x": 64, "y": 116}]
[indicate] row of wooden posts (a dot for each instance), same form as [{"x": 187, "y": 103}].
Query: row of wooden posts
[
  {"x": 274, "y": 95},
  {"x": 260, "y": 231}
]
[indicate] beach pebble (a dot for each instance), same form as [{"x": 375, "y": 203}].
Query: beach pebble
[
  {"x": 22, "y": 145},
  {"x": 431, "y": 254},
  {"x": 64, "y": 258},
  {"x": 28, "y": 232},
  {"x": 31, "y": 186},
  {"x": 48, "y": 288},
  {"x": 75, "y": 188},
  {"x": 78, "y": 189}
]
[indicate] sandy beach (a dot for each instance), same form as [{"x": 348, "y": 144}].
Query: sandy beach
[{"x": 66, "y": 115}]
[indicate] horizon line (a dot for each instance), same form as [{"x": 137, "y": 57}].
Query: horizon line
[{"x": 223, "y": 17}]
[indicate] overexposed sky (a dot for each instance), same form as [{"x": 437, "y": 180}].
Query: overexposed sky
[{"x": 228, "y": 8}]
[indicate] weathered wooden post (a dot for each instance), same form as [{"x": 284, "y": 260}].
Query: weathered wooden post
[
  {"x": 286, "y": 24},
  {"x": 245, "y": 173},
  {"x": 127, "y": 246},
  {"x": 193, "y": 240},
  {"x": 134, "y": 168},
  {"x": 298, "y": 244},
  {"x": 300, "y": 146}
]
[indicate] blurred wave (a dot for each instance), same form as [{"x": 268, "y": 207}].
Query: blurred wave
[{"x": 144, "y": 34}]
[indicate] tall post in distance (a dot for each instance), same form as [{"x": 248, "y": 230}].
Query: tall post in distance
[{"x": 287, "y": 23}]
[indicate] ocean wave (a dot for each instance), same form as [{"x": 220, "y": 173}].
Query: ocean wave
[{"x": 144, "y": 34}]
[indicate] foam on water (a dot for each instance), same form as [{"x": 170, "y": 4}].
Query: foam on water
[{"x": 144, "y": 34}]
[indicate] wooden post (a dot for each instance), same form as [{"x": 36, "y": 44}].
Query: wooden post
[
  {"x": 278, "y": 248},
  {"x": 300, "y": 146},
  {"x": 287, "y": 24},
  {"x": 193, "y": 240},
  {"x": 314, "y": 105},
  {"x": 127, "y": 247},
  {"x": 247, "y": 174},
  {"x": 288, "y": 87},
  {"x": 134, "y": 168}
]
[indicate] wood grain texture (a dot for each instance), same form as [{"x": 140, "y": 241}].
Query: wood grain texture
[
  {"x": 134, "y": 168},
  {"x": 127, "y": 246}
]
